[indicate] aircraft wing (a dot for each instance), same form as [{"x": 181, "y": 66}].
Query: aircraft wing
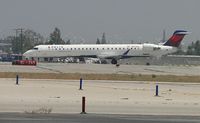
[{"x": 111, "y": 55}]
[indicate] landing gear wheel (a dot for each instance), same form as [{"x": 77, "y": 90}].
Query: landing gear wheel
[
  {"x": 147, "y": 63},
  {"x": 114, "y": 61},
  {"x": 117, "y": 65}
]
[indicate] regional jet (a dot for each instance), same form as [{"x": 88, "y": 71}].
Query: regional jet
[{"x": 109, "y": 51}]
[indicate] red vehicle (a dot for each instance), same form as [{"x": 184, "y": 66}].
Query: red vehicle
[{"x": 24, "y": 62}]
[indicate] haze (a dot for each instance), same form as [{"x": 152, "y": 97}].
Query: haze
[{"x": 85, "y": 20}]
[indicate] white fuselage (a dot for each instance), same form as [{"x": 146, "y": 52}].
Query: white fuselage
[{"x": 99, "y": 50}]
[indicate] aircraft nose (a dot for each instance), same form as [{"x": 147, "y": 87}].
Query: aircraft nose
[{"x": 27, "y": 53}]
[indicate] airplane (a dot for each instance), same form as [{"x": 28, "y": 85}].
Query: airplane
[{"x": 109, "y": 51}]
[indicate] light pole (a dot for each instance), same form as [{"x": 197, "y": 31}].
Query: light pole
[{"x": 21, "y": 42}]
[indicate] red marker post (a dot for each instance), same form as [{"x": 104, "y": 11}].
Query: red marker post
[{"x": 83, "y": 106}]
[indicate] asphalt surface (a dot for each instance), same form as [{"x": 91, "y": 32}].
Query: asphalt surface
[
  {"x": 101, "y": 69},
  {"x": 93, "y": 118}
]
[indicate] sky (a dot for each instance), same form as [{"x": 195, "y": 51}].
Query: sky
[{"x": 83, "y": 21}]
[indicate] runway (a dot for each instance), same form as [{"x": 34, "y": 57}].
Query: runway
[
  {"x": 93, "y": 118},
  {"x": 102, "y": 69}
]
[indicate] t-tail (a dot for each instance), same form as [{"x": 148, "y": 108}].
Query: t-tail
[{"x": 176, "y": 38}]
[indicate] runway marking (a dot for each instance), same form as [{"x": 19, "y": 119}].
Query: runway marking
[
  {"x": 156, "y": 70},
  {"x": 50, "y": 69}
]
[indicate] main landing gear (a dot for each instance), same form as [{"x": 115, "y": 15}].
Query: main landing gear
[{"x": 114, "y": 61}]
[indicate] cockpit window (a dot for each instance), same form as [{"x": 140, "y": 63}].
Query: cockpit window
[{"x": 35, "y": 48}]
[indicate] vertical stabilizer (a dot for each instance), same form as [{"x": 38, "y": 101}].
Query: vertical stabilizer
[{"x": 176, "y": 38}]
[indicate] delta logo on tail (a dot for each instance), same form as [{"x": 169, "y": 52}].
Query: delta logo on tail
[{"x": 176, "y": 38}]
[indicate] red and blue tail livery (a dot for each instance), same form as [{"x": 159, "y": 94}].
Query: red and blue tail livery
[{"x": 176, "y": 38}]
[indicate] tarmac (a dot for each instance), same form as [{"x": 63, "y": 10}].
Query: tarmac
[
  {"x": 101, "y": 69},
  {"x": 93, "y": 118}
]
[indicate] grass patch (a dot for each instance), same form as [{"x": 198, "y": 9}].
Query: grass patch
[{"x": 123, "y": 77}]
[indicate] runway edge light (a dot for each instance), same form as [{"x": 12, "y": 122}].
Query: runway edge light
[
  {"x": 17, "y": 79},
  {"x": 81, "y": 84},
  {"x": 156, "y": 90}
]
